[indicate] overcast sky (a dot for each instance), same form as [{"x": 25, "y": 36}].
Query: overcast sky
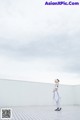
[{"x": 39, "y": 43}]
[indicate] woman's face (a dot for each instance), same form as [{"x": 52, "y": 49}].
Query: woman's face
[{"x": 56, "y": 81}]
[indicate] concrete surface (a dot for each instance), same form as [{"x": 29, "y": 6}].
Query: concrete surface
[{"x": 45, "y": 113}]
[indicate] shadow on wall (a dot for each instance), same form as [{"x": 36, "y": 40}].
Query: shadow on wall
[{"x": 20, "y": 93}]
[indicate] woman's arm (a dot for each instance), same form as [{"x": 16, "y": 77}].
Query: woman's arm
[{"x": 55, "y": 89}]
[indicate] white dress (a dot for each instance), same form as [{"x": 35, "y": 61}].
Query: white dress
[{"x": 55, "y": 92}]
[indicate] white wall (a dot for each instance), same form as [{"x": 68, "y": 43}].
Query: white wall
[
  {"x": 18, "y": 93},
  {"x": 77, "y": 94}
]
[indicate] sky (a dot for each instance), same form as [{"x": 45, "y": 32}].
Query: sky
[{"x": 39, "y": 43}]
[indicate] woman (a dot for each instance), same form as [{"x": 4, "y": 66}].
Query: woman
[{"x": 56, "y": 95}]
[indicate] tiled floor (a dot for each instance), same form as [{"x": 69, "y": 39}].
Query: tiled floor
[{"x": 45, "y": 113}]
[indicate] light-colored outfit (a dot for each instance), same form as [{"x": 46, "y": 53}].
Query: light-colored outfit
[{"x": 56, "y": 96}]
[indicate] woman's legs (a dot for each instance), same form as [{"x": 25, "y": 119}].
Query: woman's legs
[{"x": 58, "y": 103}]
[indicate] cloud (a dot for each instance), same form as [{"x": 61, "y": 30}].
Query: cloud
[{"x": 59, "y": 48}]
